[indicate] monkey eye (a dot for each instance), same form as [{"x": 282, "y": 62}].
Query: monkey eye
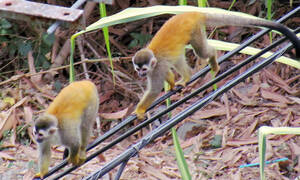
[{"x": 144, "y": 69}]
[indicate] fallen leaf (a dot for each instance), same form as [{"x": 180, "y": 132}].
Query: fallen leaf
[
  {"x": 203, "y": 114},
  {"x": 274, "y": 96},
  {"x": 241, "y": 142},
  {"x": 115, "y": 115},
  {"x": 6, "y": 156},
  {"x": 7, "y": 122}
]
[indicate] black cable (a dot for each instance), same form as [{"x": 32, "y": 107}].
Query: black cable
[
  {"x": 121, "y": 169},
  {"x": 185, "y": 113}
]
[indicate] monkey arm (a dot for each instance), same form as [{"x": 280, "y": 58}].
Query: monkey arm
[
  {"x": 154, "y": 87},
  {"x": 44, "y": 158}
]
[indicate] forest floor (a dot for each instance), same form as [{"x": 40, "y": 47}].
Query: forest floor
[{"x": 216, "y": 140}]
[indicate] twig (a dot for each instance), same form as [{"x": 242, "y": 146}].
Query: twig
[
  {"x": 17, "y": 77},
  {"x": 82, "y": 57}
]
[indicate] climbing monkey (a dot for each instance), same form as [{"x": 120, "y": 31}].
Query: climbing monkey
[
  {"x": 167, "y": 49},
  {"x": 68, "y": 121}
]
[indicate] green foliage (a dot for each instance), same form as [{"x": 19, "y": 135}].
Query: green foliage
[
  {"x": 182, "y": 2},
  {"x": 22, "y": 135},
  {"x": 202, "y": 3},
  {"x": 4, "y": 26},
  {"x": 23, "y": 47},
  {"x": 16, "y": 43},
  {"x": 6, "y": 134},
  {"x": 139, "y": 40},
  {"x": 216, "y": 142},
  {"x": 10, "y": 164}
]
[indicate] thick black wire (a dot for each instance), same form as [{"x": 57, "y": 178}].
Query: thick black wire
[
  {"x": 185, "y": 113},
  {"x": 121, "y": 169},
  {"x": 161, "y": 99}
]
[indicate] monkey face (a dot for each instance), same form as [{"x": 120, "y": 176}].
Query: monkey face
[
  {"x": 43, "y": 134},
  {"x": 144, "y": 62},
  {"x": 44, "y": 128},
  {"x": 143, "y": 71}
]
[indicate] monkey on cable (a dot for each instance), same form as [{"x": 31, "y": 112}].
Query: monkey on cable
[
  {"x": 68, "y": 121},
  {"x": 166, "y": 49}
]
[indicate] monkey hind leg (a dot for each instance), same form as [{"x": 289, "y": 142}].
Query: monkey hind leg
[
  {"x": 184, "y": 70},
  {"x": 171, "y": 79},
  {"x": 203, "y": 50},
  {"x": 74, "y": 157}
]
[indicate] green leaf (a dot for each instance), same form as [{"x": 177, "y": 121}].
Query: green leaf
[
  {"x": 58, "y": 86},
  {"x": 23, "y": 48},
  {"x": 3, "y": 39},
  {"x": 12, "y": 49},
  {"x": 226, "y": 46},
  {"x": 140, "y": 40},
  {"x": 216, "y": 142},
  {"x": 4, "y": 24},
  {"x": 48, "y": 39},
  {"x": 30, "y": 164}
]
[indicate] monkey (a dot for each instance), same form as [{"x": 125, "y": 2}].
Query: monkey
[
  {"x": 68, "y": 121},
  {"x": 166, "y": 50}
]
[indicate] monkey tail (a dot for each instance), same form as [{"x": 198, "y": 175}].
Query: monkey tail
[
  {"x": 225, "y": 20},
  {"x": 284, "y": 30}
]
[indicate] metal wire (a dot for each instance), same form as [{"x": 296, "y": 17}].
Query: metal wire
[
  {"x": 167, "y": 95},
  {"x": 185, "y": 113}
]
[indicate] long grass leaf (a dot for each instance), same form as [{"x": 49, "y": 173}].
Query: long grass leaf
[
  {"x": 102, "y": 8},
  {"x": 225, "y": 46},
  {"x": 182, "y": 165},
  {"x": 262, "y": 133},
  {"x": 72, "y": 72}
]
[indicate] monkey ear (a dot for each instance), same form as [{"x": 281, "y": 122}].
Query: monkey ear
[
  {"x": 52, "y": 130},
  {"x": 153, "y": 62}
]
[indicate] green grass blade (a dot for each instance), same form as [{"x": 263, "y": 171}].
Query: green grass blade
[
  {"x": 269, "y": 15},
  {"x": 102, "y": 8},
  {"x": 72, "y": 72},
  {"x": 262, "y": 132},
  {"x": 182, "y": 2},
  {"x": 262, "y": 151},
  {"x": 226, "y": 46},
  {"x": 182, "y": 165},
  {"x": 202, "y": 3},
  {"x": 231, "y": 5}
]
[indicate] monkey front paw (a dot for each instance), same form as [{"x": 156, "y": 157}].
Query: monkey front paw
[
  {"x": 140, "y": 114},
  {"x": 76, "y": 161},
  {"x": 181, "y": 83},
  {"x": 37, "y": 176}
]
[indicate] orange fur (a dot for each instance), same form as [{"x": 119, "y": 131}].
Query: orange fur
[
  {"x": 68, "y": 121},
  {"x": 72, "y": 100},
  {"x": 172, "y": 37}
]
